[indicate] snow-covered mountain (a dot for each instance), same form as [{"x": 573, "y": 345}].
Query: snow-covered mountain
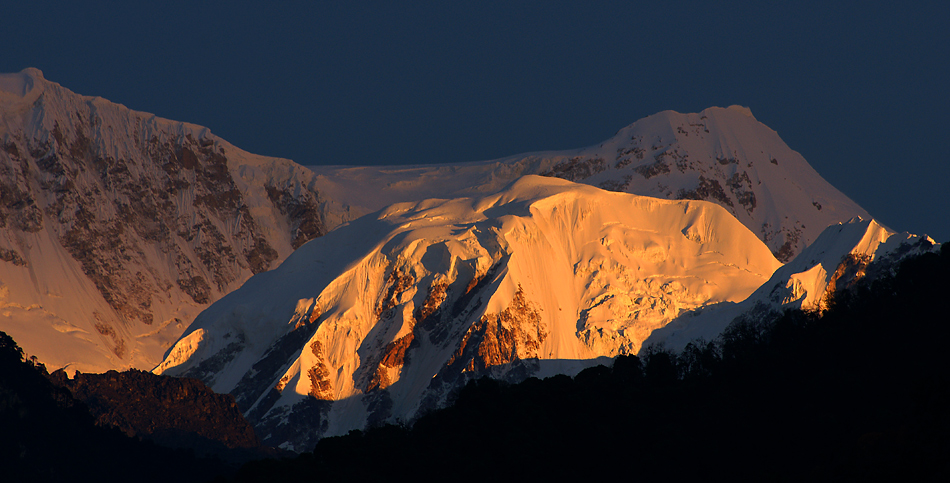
[
  {"x": 384, "y": 317},
  {"x": 117, "y": 227},
  {"x": 720, "y": 155},
  {"x": 843, "y": 254}
]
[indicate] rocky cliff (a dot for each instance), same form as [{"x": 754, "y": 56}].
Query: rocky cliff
[{"x": 118, "y": 227}]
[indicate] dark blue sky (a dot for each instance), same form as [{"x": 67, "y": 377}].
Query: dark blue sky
[{"x": 859, "y": 88}]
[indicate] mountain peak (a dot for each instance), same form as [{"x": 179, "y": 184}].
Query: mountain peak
[
  {"x": 383, "y": 318},
  {"x": 742, "y": 110},
  {"x": 33, "y": 72},
  {"x": 21, "y": 83},
  {"x": 123, "y": 225}
]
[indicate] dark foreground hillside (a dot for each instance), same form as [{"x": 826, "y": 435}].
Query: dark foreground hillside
[
  {"x": 47, "y": 435},
  {"x": 128, "y": 426},
  {"x": 861, "y": 393},
  {"x": 170, "y": 411}
]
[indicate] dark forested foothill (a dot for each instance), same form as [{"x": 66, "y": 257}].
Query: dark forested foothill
[
  {"x": 174, "y": 412},
  {"x": 859, "y": 393},
  {"x": 46, "y": 434}
]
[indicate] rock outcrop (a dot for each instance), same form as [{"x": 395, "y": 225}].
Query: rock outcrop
[{"x": 118, "y": 227}]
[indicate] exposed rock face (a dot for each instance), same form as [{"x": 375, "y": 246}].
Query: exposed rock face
[
  {"x": 498, "y": 340},
  {"x": 303, "y": 209},
  {"x": 117, "y": 227},
  {"x": 576, "y": 169},
  {"x": 12, "y": 256},
  {"x": 320, "y": 387},
  {"x": 852, "y": 268}
]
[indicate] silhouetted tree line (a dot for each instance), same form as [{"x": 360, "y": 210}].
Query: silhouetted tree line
[
  {"x": 170, "y": 411},
  {"x": 859, "y": 393},
  {"x": 46, "y": 435}
]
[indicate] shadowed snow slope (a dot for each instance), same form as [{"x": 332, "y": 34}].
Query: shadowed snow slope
[
  {"x": 844, "y": 253},
  {"x": 118, "y": 227},
  {"x": 720, "y": 155},
  {"x": 387, "y": 315}
]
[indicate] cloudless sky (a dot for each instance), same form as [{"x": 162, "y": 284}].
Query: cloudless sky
[{"x": 861, "y": 89}]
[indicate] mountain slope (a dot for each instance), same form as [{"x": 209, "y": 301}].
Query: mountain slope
[
  {"x": 720, "y": 155},
  {"x": 118, "y": 227},
  {"x": 842, "y": 254},
  {"x": 387, "y": 316}
]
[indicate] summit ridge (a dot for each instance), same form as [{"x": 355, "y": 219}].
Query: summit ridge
[{"x": 722, "y": 155}]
